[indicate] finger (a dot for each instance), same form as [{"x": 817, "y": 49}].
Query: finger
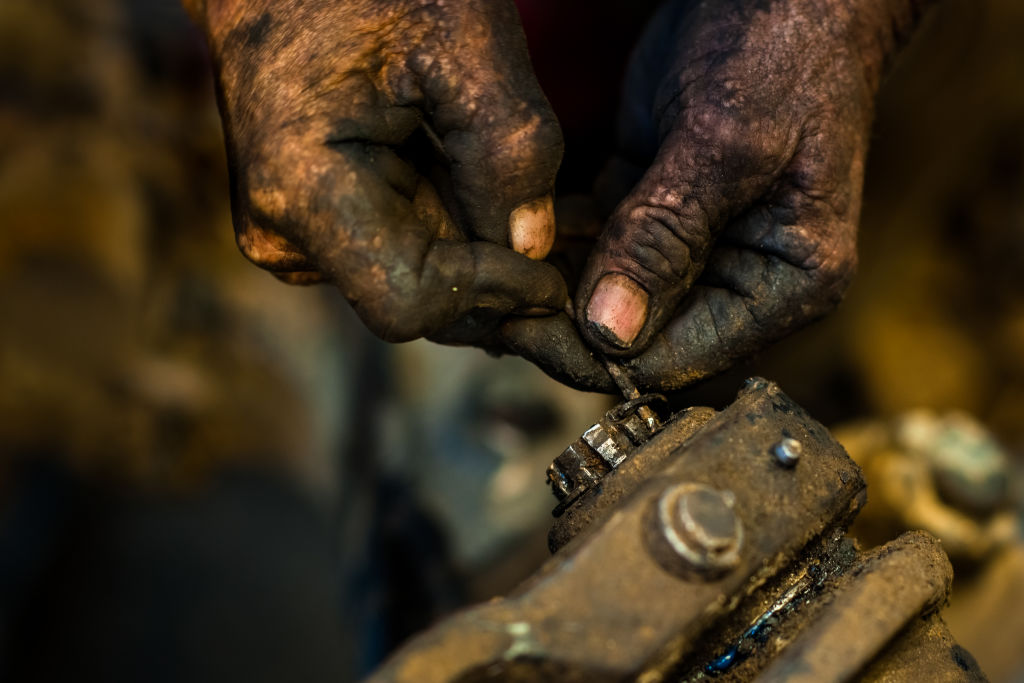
[
  {"x": 497, "y": 128},
  {"x": 554, "y": 345},
  {"x": 785, "y": 267},
  {"x": 269, "y": 250},
  {"x": 357, "y": 212},
  {"x": 710, "y": 167},
  {"x": 780, "y": 266},
  {"x": 273, "y": 252}
]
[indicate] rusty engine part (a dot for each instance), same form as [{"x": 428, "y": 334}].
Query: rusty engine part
[
  {"x": 942, "y": 473},
  {"x": 712, "y": 547},
  {"x": 601, "y": 449}
]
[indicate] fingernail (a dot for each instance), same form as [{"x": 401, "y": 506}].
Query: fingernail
[
  {"x": 617, "y": 309},
  {"x": 531, "y": 227}
]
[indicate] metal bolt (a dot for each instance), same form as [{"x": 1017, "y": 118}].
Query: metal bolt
[
  {"x": 787, "y": 452},
  {"x": 700, "y": 525}
]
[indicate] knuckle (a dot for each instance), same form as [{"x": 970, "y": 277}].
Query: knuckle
[
  {"x": 540, "y": 131},
  {"x": 729, "y": 142},
  {"x": 661, "y": 240},
  {"x": 265, "y": 201},
  {"x": 834, "y": 271},
  {"x": 395, "y": 316},
  {"x": 527, "y": 144},
  {"x": 257, "y": 181},
  {"x": 663, "y": 236},
  {"x": 716, "y": 127},
  {"x": 270, "y": 250}
]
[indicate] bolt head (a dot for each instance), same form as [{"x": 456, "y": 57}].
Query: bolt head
[
  {"x": 707, "y": 515},
  {"x": 787, "y": 451},
  {"x": 700, "y": 526}
]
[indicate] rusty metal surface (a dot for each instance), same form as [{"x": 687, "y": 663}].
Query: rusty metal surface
[
  {"x": 716, "y": 551},
  {"x": 926, "y": 651},
  {"x": 612, "y": 604},
  {"x": 602, "y": 449},
  {"x": 596, "y": 501},
  {"x": 888, "y": 588}
]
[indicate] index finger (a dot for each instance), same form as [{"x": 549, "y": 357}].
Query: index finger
[{"x": 364, "y": 219}]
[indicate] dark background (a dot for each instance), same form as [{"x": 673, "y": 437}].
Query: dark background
[{"x": 209, "y": 475}]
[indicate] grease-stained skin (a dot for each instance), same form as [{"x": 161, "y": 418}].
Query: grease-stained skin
[
  {"x": 402, "y": 150},
  {"x": 743, "y": 134}
]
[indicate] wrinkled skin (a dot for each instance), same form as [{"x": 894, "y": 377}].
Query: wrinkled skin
[
  {"x": 742, "y": 140},
  {"x": 403, "y": 150},
  {"x": 399, "y": 149}
]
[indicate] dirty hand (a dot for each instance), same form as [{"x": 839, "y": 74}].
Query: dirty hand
[
  {"x": 740, "y": 158},
  {"x": 400, "y": 149}
]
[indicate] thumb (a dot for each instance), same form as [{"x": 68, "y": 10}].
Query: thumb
[{"x": 658, "y": 238}]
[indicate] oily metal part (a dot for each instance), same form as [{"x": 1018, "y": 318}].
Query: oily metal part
[
  {"x": 614, "y": 603},
  {"x": 925, "y": 651},
  {"x": 887, "y": 588},
  {"x": 743, "y": 643},
  {"x": 602, "y": 448},
  {"x": 841, "y": 615},
  {"x": 596, "y": 501},
  {"x": 607, "y": 444}
]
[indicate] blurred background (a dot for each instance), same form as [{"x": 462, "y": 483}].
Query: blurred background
[{"x": 206, "y": 474}]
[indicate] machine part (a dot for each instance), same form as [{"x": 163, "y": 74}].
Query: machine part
[
  {"x": 602, "y": 448},
  {"x": 926, "y": 651},
  {"x": 749, "y": 641},
  {"x": 696, "y": 525},
  {"x": 631, "y": 393},
  {"x": 787, "y": 451},
  {"x": 593, "y": 502},
  {"x": 969, "y": 467},
  {"x": 606, "y": 608},
  {"x": 941, "y": 473},
  {"x": 606, "y": 444},
  {"x": 844, "y": 614},
  {"x": 889, "y": 588}
]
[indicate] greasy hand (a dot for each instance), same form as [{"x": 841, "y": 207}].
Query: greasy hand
[
  {"x": 400, "y": 149},
  {"x": 741, "y": 152}
]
